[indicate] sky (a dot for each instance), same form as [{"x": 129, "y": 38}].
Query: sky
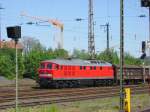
[{"x": 76, "y": 32}]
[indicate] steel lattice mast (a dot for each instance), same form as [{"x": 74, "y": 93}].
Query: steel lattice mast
[{"x": 91, "y": 43}]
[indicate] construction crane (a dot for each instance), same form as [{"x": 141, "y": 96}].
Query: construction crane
[{"x": 54, "y": 22}]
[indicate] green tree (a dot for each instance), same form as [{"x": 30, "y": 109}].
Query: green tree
[
  {"x": 7, "y": 68},
  {"x": 60, "y": 53},
  {"x": 32, "y": 63},
  {"x": 7, "y": 62},
  {"x": 80, "y": 54},
  {"x": 131, "y": 60},
  {"x": 109, "y": 56}
]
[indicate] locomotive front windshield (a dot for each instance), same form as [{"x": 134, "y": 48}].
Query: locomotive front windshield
[
  {"x": 49, "y": 66},
  {"x": 46, "y": 65},
  {"x": 42, "y": 65}
]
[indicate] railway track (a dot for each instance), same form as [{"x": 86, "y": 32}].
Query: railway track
[{"x": 30, "y": 97}]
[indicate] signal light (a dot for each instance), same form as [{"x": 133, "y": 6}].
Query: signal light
[
  {"x": 145, "y": 3},
  {"x": 143, "y": 46},
  {"x": 143, "y": 56},
  {"x": 14, "y": 32}
]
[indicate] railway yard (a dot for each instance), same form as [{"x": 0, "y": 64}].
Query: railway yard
[
  {"x": 55, "y": 58},
  {"x": 30, "y": 95}
]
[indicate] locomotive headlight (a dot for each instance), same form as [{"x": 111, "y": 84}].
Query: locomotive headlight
[{"x": 49, "y": 75}]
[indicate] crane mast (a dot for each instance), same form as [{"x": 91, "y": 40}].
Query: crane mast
[{"x": 54, "y": 22}]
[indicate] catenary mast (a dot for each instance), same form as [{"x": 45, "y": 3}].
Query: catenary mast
[{"x": 91, "y": 43}]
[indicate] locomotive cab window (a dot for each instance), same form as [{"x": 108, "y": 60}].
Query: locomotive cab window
[
  {"x": 49, "y": 66},
  {"x": 100, "y": 68},
  {"x": 56, "y": 67},
  {"x": 90, "y": 68},
  {"x": 84, "y": 67},
  {"x": 80, "y": 67},
  {"x": 42, "y": 65}
]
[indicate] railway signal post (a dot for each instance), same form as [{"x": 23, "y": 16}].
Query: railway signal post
[
  {"x": 15, "y": 33},
  {"x": 146, "y": 3}
]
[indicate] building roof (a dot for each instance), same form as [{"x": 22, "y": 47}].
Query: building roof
[
  {"x": 79, "y": 62},
  {"x": 10, "y": 44}
]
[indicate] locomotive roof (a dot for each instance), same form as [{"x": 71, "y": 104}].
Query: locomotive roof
[{"x": 79, "y": 62}]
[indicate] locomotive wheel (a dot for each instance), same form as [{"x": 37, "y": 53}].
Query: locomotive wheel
[
  {"x": 43, "y": 84},
  {"x": 74, "y": 83},
  {"x": 70, "y": 84},
  {"x": 77, "y": 84},
  {"x": 110, "y": 82},
  {"x": 107, "y": 82},
  {"x": 103, "y": 83},
  {"x": 56, "y": 85},
  {"x": 60, "y": 84},
  {"x": 97, "y": 83},
  {"x": 65, "y": 85}
]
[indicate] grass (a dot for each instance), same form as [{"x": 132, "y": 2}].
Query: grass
[{"x": 138, "y": 102}]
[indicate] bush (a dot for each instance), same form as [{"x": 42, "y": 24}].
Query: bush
[{"x": 7, "y": 62}]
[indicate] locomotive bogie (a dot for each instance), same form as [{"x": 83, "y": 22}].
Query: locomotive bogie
[{"x": 75, "y": 83}]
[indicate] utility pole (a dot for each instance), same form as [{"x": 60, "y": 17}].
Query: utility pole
[
  {"x": 91, "y": 42},
  {"x": 149, "y": 28},
  {"x": 107, "y": 29},
  {"x": 107, "y": 25},
  {"x": 0, "y": 26},
  {"x": 121, "y": 54}
]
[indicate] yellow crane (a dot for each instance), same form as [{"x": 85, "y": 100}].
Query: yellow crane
[{"x": 54, "y": 22}]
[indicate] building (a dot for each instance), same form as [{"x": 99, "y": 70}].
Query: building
[{"x": 10, "y": 44}]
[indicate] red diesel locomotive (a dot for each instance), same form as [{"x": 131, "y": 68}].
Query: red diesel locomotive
[{"x": 75, "y": 72}]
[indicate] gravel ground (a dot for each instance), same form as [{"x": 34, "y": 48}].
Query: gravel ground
[{"x": 6, "y": 82}]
